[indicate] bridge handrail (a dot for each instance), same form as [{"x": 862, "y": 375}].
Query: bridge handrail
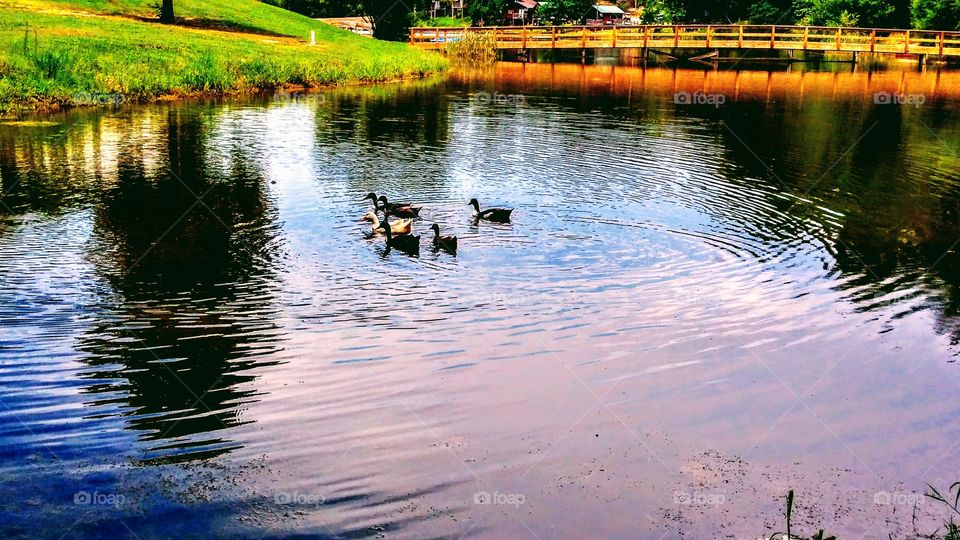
[
  {"x": 422, "y": 29},
  {"x": 749, "y": 36}
]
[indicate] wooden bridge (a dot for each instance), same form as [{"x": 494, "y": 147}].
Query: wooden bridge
[{"x": 728, "y": 36}]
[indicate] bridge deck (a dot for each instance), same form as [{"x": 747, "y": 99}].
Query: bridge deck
[{"x": 803, "y": 38}]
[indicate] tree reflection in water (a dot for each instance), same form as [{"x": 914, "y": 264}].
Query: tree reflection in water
[{"x": 188, "y": 251}]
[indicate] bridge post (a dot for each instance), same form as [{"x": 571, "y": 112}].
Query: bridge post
[
  {"x": 873, "y": 40},
  {"x": 740, "y": 37},
  {"x": 583, "y": 46},
  {"x": 523, "y": 37},
  {"x": 646, "y": 38},
  {"x": 941, "y": 44},
  {"x": 676, "y": 37},
  {"x": 838, "y": 38},
  {"x": 708, "y": 36},
  {"x": 614, "y": 45},
  {"x": 906, "y": 42},
  {"x": 773, "y": 35},
  {"x": 806, "y": 34},
  {"x": 553, "y": 38}
]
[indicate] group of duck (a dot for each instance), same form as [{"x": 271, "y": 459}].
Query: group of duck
[{"x": 398, "y": 233}]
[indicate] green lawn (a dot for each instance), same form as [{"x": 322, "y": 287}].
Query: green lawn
[
  {"x": 56, "y": 53},
  {"x": 447, "y": 22}
]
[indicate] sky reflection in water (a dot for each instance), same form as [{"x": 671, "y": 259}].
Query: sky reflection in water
[{"x": 691, "y": 304}]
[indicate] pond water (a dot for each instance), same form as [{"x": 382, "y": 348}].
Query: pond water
[{"x": 696, "y": 308}]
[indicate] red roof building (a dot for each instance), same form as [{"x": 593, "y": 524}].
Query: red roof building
[{"x": 520, "y": 12}]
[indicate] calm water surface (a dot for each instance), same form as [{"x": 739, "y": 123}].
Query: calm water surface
[{"x": 695, "y": 309}]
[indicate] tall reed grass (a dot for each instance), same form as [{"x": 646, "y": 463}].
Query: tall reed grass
[{"x": 474, "y": 46}]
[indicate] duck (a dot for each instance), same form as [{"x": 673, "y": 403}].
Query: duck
[
  {"x": 399, "y": 210},
  {"x": 500, "y": 215},
  {"x": 447, "y": 243},
  {"x": 373, "y": 197},
  {"x": 406, "y": 243},
  {"x": 401, "y": 226}
]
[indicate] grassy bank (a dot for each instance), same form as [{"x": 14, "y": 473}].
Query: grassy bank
[
  {"x": 58, "y": 53},
  {"x": 444, "y": 22}
]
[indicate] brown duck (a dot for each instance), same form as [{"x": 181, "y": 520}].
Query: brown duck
[{"x": 447, "y": 243}]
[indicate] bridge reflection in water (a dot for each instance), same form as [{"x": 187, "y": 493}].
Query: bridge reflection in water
[{"x": 735, "y": 85}]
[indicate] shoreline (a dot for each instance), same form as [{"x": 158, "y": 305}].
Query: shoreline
[{"x": 106, "y": 100}]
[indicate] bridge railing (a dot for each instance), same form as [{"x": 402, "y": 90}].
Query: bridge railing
[{"x": 816, "y": 38}]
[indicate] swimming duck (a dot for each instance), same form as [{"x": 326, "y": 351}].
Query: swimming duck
[
  {"x": 373, "y": 197},
  {"x": 406, "y": 243},
  {"x": 399, "y": 210},
  {"x": 501, "y": 215},
  {"x": 448, "y": 243},
  {"x": 401, "y": 226}
]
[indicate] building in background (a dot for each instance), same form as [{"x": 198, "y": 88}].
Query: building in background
[
  {"x": 445, "y": 8},
  {"x": 357, "y": 25},
  {"x": 520, "y": 12},
  {"x": 606, "y": 14}
]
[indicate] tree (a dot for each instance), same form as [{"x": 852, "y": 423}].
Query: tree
[
  {"x": 390, "y": 19},
  {"x": 936, "y": 14},
  {"x": 869, "y": 13},
  {"x": 166, "y": 12},
  {"x": 771, "y": 12},
  {"x": 487, "y": 11},
  {"x": 728, "y": 12},
  {"x": 663, "y": 12},
  {"x": 564, "y": 11},
  {"x": 321, "y": 8},
  {"x": 707, "y": 11}
]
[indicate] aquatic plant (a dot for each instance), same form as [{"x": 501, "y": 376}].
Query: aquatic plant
[
  {"x": 820, "y": 535},
  {"x": 952, "y": 529},
  {"x": 474, "y": 46}
]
